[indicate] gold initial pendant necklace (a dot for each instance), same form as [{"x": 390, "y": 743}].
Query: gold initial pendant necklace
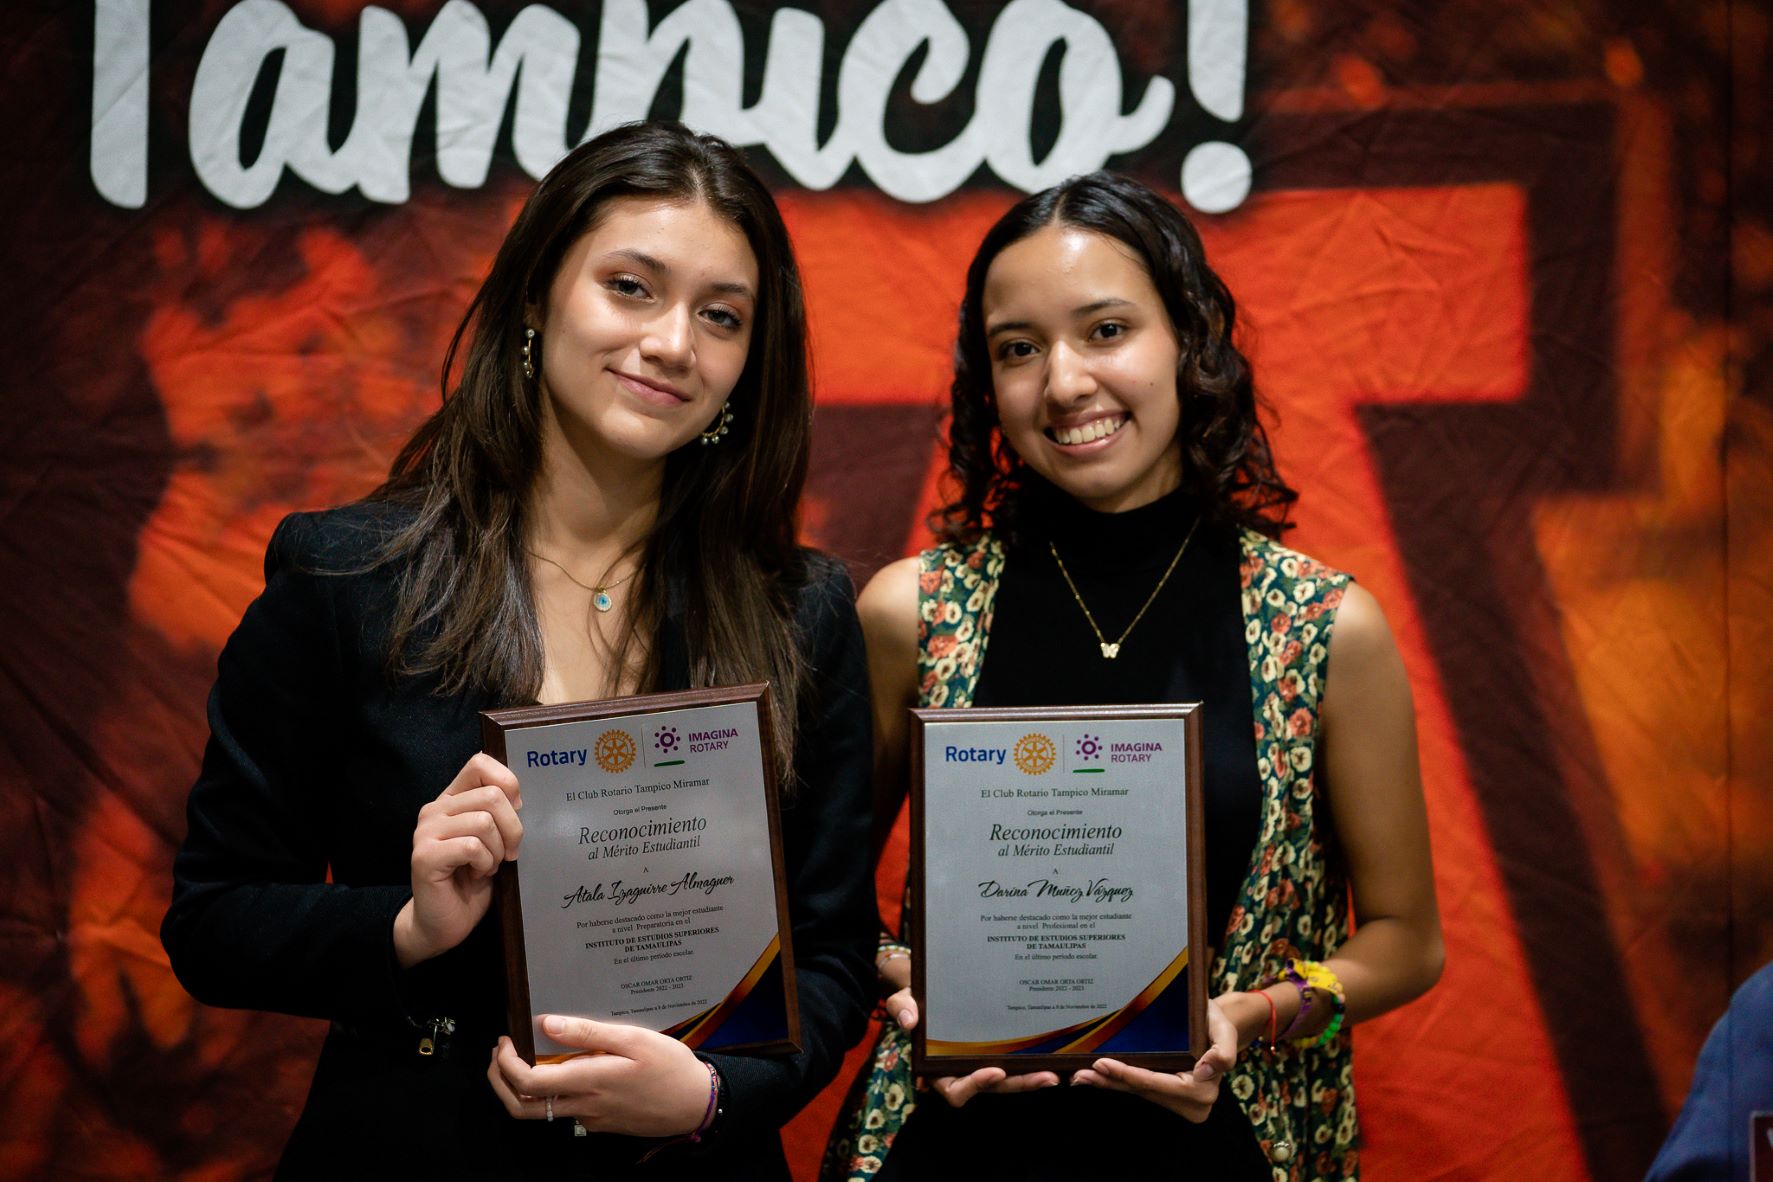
[
  {"x": 1111, "y": 648},
  {"x": 600, "y": 594}
]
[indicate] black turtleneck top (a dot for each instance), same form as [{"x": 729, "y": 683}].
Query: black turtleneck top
[{"x": 1188, "y": 647}]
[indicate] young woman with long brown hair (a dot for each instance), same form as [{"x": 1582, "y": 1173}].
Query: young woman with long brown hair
[
  {"x": 1112, "y": 541},
  {"x": 603, "y": 505}
]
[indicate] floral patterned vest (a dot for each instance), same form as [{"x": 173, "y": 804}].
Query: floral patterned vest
[{"x": 1293, "y": 902}]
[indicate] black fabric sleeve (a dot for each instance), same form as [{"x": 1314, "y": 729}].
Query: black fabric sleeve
[
  {"x": 253, "y": 923},
  {"x": 830, "y": 875}
]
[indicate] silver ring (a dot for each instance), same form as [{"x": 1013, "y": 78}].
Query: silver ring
[{"x": 550, "y": 1104}]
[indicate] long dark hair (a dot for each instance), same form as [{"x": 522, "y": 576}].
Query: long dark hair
[
  {"x": 725, "y": 527},
  {"x": 1226, "y": 463}
]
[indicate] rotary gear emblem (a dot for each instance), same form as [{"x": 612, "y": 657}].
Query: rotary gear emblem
[
  {"x": 1034, "y": 754},
  {"x": 614, "y": 751}
]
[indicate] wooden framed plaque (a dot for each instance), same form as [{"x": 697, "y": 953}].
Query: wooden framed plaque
[
  {"x": 1058, "y": 905},
  {"x": 649, "y": 889}
]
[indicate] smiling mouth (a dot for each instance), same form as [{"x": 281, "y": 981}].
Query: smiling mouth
[
  {"x": 1087, "y": 432},
  {"x": 653, "y": 391}
]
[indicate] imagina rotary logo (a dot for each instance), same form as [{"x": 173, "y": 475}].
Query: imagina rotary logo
[
  {"x": 1089, "y": 750},
  {"x": 614, "y": 751},
  {"x": 1035, "y": 754},
  {"x": 669, "y": 745}
]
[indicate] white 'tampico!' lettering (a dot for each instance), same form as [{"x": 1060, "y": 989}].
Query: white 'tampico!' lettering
[
  {"x": 1092, "y": 127},
  {"x": 1216, "y": 175},
  {"x": 536, "y": 60},
  {"x": 539, "y": 52},
  {"x": 119, "y": 155}
]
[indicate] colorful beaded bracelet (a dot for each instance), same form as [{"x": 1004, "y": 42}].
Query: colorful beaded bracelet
[{"x": 1329, "y": 1031}]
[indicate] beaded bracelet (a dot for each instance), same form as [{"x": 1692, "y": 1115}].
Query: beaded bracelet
[
  {"x": 890, "y": 950},
  {"x": 1329, "y": 1031}
]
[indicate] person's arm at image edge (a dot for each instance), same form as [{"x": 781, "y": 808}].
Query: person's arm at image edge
[{"x": 1371, "y": 778}]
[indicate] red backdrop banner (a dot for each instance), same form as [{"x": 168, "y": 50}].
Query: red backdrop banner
[{"x": 1502, "y": 291}]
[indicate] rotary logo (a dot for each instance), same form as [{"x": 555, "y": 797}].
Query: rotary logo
[
  {"x": 1034, "y": 754},
  {"x": 614, "y": 751},
  {"x": 1089, "y": 747}
]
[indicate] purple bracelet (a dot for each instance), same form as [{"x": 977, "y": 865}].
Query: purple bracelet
[
  {"x": 709, "y": 1115},
  {"x": 713, "y": 1099},
  {"x": 1306, "y": 995}
]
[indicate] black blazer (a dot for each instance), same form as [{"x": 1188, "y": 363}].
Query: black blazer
[{"x": 319, "y": 761}]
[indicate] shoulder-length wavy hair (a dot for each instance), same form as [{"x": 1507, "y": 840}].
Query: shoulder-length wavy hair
[
  {"x": 725, "y": 528},
  {"x": 1226, "y": 463}
]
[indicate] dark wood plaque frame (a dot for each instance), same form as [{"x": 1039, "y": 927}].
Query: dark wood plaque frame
[
  {"x": 1195, "y": 973},
  {"x": 493, "y": 727}
]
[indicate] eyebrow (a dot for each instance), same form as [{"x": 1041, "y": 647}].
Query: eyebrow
[
  {"x": 1078, "y": 312},
  {"x": 660, "y": 267}
]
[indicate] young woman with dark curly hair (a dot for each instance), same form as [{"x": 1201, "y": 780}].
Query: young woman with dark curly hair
[
  {"x": 1112, "y": 541},
  {"x": 603, "y": 505}
]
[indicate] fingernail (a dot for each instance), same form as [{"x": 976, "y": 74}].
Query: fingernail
[
  {"x": 1204, "y": 1072},
  {"x": 905, "y": 1019},
  {"x": 553, "y": 1026}
]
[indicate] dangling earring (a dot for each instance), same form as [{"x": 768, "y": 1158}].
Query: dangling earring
[
  {"x": 529, "y": 357},
  {"x": 716, "y": 432}
]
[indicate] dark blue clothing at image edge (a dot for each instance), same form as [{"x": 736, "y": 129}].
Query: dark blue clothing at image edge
[
  {"x": 1188, "y": 647},
  {"x": 1711, "y": 1140},
  {"x": 320, "y": 759}
]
